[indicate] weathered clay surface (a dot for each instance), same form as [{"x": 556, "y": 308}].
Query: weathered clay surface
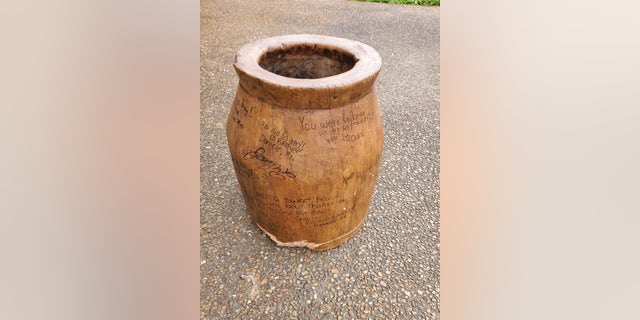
[{"x": 306, "y": 137}]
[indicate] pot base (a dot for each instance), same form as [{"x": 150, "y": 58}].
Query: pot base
[{"x": 314, "y": 246}]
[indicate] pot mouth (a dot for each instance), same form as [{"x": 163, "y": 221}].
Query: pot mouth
[
  {"x": 295, "y": 65},
  {"x": 307, "y": 61}
]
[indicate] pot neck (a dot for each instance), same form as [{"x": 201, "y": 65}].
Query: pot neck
[{"x": 319, "y": 93}]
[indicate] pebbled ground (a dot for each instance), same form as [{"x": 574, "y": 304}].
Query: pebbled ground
[{"x": 390, "y": 268}]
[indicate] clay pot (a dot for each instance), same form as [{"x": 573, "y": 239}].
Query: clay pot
[{"x": 306, "y": 137}]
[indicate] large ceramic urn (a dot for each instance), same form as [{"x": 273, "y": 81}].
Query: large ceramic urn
[{"x": 306, "y": 137}]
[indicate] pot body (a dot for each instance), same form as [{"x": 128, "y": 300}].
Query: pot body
[{"x": 307, "y": 165}]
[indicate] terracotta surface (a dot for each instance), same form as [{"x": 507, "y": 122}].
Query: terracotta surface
[{"x": 305, "y": 136}]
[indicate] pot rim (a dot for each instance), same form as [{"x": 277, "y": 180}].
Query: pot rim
[{"x": 317, "y": 93}]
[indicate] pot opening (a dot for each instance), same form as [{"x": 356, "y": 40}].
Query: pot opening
[{"x": 307, "y": 61}]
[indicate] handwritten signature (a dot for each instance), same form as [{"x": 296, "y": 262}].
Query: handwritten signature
[{"x": 274, "y": 168}]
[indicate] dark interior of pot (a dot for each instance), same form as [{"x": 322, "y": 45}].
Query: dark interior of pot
[{"x": 306, "y": 61}]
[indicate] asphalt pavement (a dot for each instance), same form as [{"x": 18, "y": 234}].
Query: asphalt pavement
[{"x": 390, "y": 268}]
